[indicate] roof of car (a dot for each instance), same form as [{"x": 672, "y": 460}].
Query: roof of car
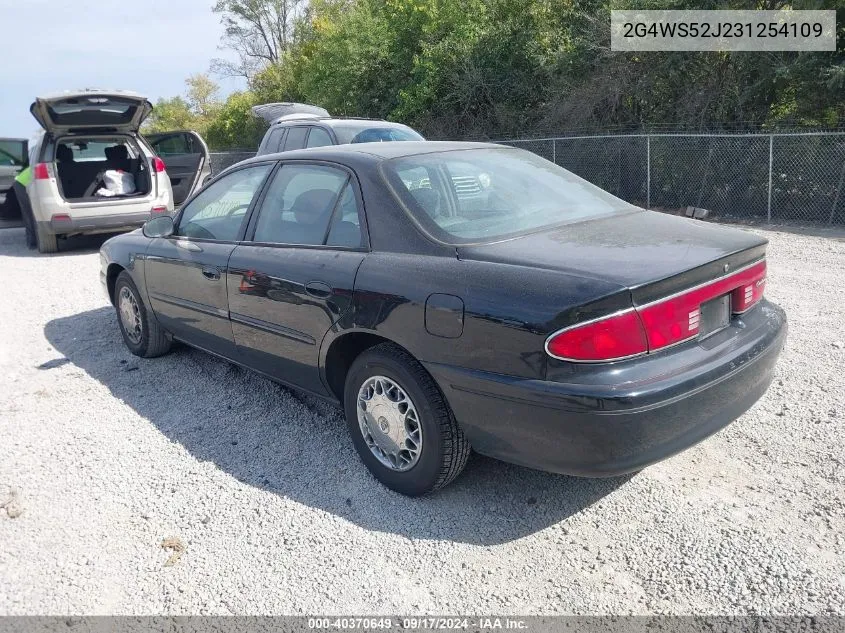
[{"x": 393, "y": 149}]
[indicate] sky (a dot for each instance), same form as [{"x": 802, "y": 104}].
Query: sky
[{"x": 149, "y": 47}]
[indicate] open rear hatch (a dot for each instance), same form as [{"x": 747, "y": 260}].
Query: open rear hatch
[
  {"x": 678, "y": 278},
  {"x": 88, "y": 110}
]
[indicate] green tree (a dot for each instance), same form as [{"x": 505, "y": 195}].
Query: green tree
[
  {"x": 170, "y": 114},
  {"x": 233, "y": 126},
  {"x": 195, "y": 111}
]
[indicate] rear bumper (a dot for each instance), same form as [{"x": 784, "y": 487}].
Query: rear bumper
[
  {"x": 96, "y": 224},
  {"x": 596, "y": 427}
]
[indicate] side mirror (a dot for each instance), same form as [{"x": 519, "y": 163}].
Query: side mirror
[{"x": 161, "y": 226}]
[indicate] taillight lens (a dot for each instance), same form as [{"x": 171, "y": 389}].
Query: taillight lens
[
  {"x": 656, "y": 325},
  {"x": 617, "y": 336},
  {"x": 158, "y": 210},
  {"x": 747, "y": 295},
  {"x": 41, "y": 171},
  {"x": 158, "y": 165}
]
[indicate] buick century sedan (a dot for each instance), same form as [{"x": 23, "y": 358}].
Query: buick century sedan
[{"x": 458, "y": 296}]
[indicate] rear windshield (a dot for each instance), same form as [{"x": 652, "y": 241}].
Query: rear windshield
[
  {"x": 85, "y": 150},
  {"x": 367, "y": 132},
  {"x": 481, "y": 195}
]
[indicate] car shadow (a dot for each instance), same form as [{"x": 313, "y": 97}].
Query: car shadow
[
  {"x": 230, "y": 416},
  {"x": 13, "y": 244}
]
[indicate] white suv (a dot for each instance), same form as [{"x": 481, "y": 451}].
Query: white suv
[{"x": 87, "y": 133}]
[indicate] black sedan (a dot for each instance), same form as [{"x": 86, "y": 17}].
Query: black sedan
[{"x": 459, "y": 295}]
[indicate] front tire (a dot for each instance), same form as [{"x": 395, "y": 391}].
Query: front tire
[
  {"x": 141, "y": 331},
  {"x": 400, "y": 423}
]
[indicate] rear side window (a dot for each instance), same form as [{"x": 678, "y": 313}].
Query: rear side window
[
  {"x": 312, "y": 205},
  {"x": 319, "y": 138},
  {"x": 174, "y": 145},
  {"x": 296, "y": 138},
  {"x": 274, "y": 140},
  {"x": 218, "y": 211}
]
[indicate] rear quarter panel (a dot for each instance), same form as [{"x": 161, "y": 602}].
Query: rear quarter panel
[{"x": 508, "y": 310}]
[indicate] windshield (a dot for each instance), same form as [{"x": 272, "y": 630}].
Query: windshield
[
  {"x": 373, "y": 132},
  {"x": 487, "y": 194}
]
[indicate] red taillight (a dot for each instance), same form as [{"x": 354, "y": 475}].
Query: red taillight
[
  {"x": 158, "y": 210},
  {"x": 41, "y": 171},
  {"x": 618, "y": 336},
  {"x": 659, "y": 324},
  {"x": 158, "y": 165}
]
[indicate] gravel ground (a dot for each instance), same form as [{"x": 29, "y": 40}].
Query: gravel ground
[{"x": 109, "y": 456}]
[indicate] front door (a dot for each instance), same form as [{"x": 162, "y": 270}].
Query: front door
[
  {"x": 294, "y": 278},
  {"x": 186, "y": 273}
]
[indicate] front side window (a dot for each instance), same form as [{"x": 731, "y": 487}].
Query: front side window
[
  {"x": 218, "y": 211},
  {"x": 311, "y": 205},
  {"x": 479, "y": 195}
]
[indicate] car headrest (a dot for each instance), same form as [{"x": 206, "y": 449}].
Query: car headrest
[
  {"x": 121, "y": 152},
  {"x": 428, "y": 199},
  {"x": 314, "y": 203},
  {"x": 64, "y": 154}
]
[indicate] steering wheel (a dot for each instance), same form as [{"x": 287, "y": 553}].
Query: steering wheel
[{"x": 237, "y": 208}]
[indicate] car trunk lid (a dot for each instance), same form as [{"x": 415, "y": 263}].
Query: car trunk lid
[
  {"x": 684, "y": 279},
  {"x": 89, "y": 110},
  {"x": 652, "y": 254}
]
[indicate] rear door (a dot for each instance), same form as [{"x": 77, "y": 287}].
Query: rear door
[
  {"x": 186, "y": 272},
  {"x": 293, "y": 277},
  {"x": 186, "y": 158}
]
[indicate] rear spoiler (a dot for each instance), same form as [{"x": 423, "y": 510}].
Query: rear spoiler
[{"x": 271, "y": 112}]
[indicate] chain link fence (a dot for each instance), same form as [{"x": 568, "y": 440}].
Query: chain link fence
[
  {"x": 794, "y": 177},
  {"x": 788, "y": 177},
  {"x": 222, "y": 160}
]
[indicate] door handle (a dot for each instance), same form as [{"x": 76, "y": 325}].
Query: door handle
[
  {"x": 211, "y": 272},
  {"x": 318, "y": 289}
]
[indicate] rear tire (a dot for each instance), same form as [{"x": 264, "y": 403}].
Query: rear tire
[
  {"x": 47, "y": 242},
  {"x": 439, "y": 449},
  {"x": 140, "y": 329}
]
